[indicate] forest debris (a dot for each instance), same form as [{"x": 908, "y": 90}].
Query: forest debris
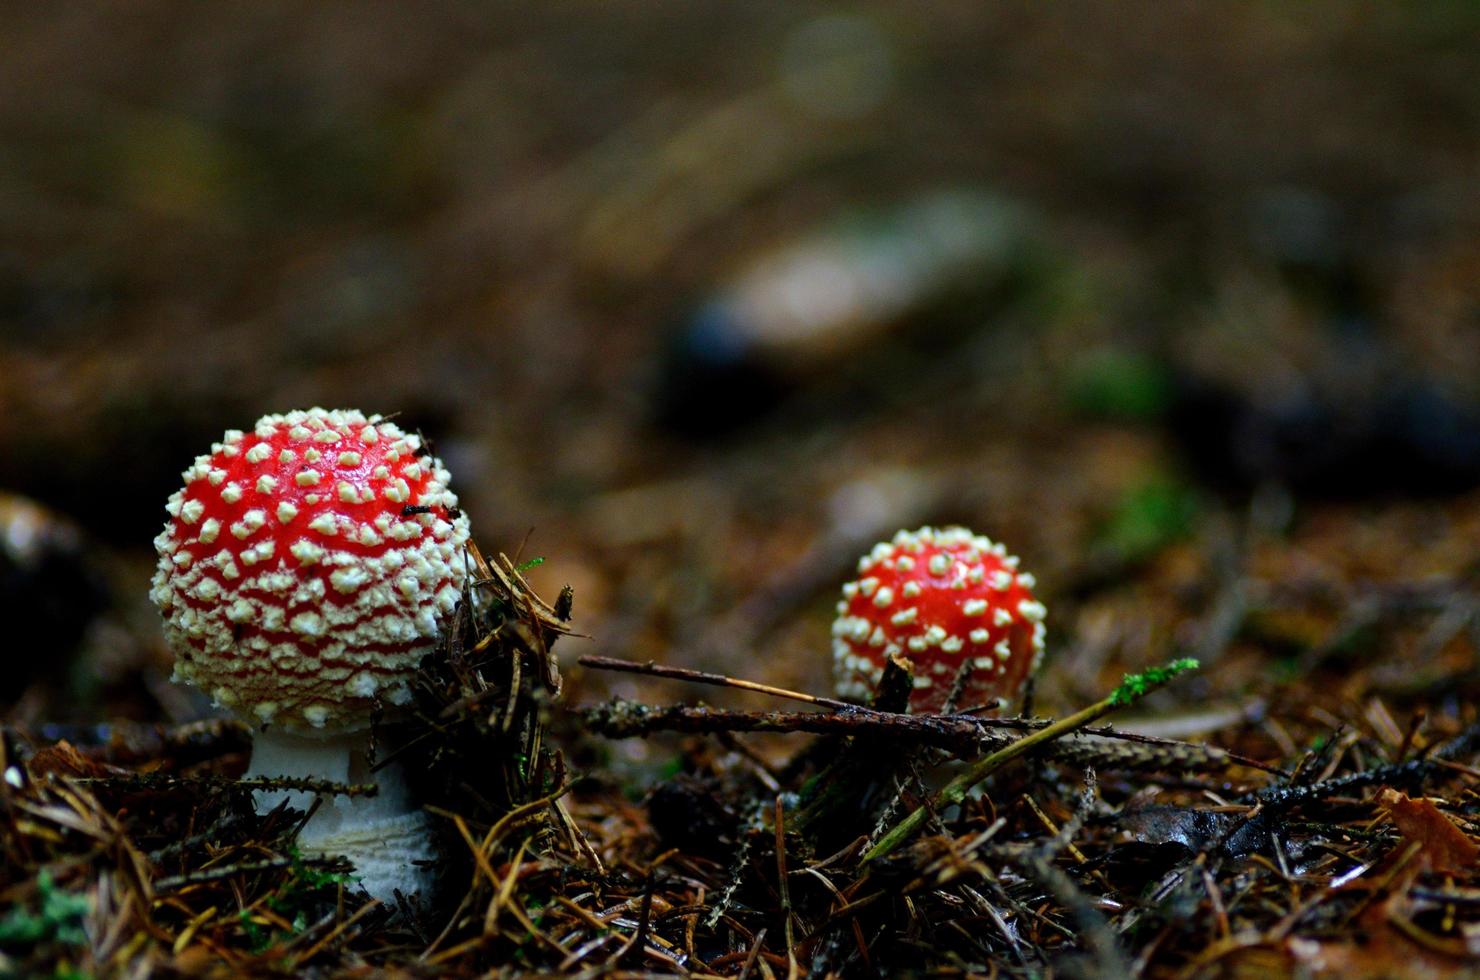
[
  {"x": 63, "y": 759},
  {"x": 960, "y": 734},
  {"x": 1132, "y": 689},
  {"x": 1387, "y": 944},
  {"x": 1235, "y": 862},
  {"x": 1193, "y": 828},
  {"x": 1442, "y": 845}
]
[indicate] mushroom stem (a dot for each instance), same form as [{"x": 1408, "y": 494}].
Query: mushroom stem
[{"x": 384, "y": 836}]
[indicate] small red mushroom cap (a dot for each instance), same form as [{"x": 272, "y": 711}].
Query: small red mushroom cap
[
  {"x": 948, "y": 601},
  {"x": 308, "y": 566}
]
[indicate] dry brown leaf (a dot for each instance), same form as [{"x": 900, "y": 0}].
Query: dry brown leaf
[
  {"x": 1443, "y": 846},
  {"x": 1389, "y": 956},
  {"x": 63, "y": 759}
]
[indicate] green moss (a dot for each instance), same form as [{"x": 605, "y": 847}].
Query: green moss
[
  {"x": 59, "y": 918},
  {"x": 1137, "y": 686}
]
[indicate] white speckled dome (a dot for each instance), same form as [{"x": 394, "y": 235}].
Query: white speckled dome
[
  {"x": 953, "y": 604},
  {"x": 308, "y": 566}
]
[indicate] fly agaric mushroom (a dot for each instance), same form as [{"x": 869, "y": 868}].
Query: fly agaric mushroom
[
  {"x": 306, "y": 569},
  {"x": 949, "y": 602}
]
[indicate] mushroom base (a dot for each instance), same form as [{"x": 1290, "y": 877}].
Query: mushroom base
[{"x": 388, "y": 840}]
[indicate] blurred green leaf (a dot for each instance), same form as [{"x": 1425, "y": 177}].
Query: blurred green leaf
[
  {"x": 1119, "y": 385},
  {"x": 60, "y": 918},
  {"x": 1148, "y": 517}
]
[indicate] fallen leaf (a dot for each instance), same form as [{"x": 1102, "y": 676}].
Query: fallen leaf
[
  {"x": 1443, "y": 846},
  {"x": 1384, "y": 945},
  {"x": 63, "y": 759}
]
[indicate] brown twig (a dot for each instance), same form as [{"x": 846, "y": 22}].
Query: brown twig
[
  {"x": 652, "y": 668},
  {"x": 961, "y": 733}
]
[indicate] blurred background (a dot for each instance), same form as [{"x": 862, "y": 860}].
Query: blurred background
[{"x": 1177, "y": 299}]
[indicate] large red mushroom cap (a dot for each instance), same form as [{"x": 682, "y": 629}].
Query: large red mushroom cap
[
  {"x": 308, "y": 566},
  {"x": 951, "y": 603}
]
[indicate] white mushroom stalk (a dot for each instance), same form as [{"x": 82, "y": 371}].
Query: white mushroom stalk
[{"x": 385, "y": 837}]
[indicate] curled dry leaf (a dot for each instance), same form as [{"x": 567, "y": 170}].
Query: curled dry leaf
[{"x": 1444, "y": 847}]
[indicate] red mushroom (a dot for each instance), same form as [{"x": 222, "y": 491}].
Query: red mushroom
[
  {"x": 306, "y": 569},
  {"x": 951, "y": 603}
]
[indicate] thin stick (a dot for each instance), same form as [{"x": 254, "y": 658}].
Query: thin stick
[
  {"x": 654, "y": 669},
  {"x": 755, "y": 949},
  {"x": 784, "y": 886}
]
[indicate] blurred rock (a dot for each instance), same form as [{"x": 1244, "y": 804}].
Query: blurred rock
[
  {"x": 802, "y": 309},
  {"x": 1403, "y": 435},
  {"x": 50, "y": 592}
]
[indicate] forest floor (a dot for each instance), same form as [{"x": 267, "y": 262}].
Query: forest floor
[{"x": 1211, "y": 368}]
